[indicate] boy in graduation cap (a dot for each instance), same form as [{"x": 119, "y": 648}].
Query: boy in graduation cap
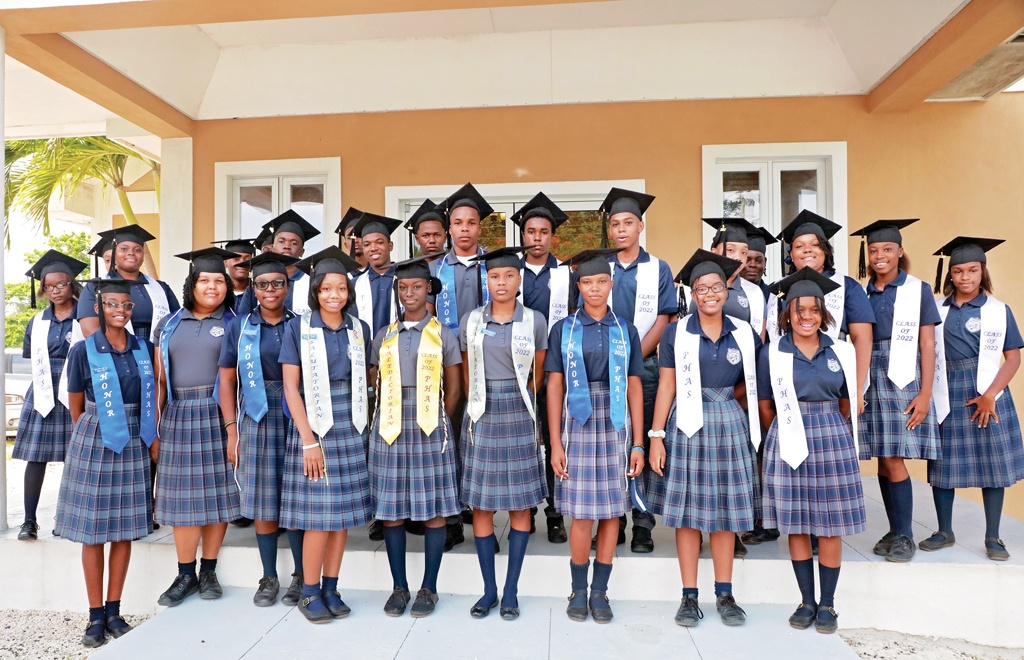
[
  {"x": 644, "y": 295},
  {"x": 545, "y": 289},
  {"x": 348, "y": 238},
  {"x": 757, "y": 246},
  {"x": 429, "y": 226},
  {"x": 153, "y": 300},
  {"x": 238, "y": 270},
  {"x": 289, "y": 232},
  {"x": 746, "y": 300},
  {"x": 373, "y": 287}
]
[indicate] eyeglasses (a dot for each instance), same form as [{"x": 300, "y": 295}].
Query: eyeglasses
[
  {"x": 263, "y": 285},
  {"x": 113, "y": 305},
  {"x": 60, "y": 286},
  {"x": 703, "y": 290}
]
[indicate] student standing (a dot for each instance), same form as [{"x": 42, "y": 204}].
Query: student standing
[
  {"x": 429, "y": 227},
  {"x": 596, "y": 403},
  {"x": 757, "y": 250},
  {"x": 373, "y": 288},
  {"x": 979, "y": 429},
  {"x": 237, "y": 266},
  {"x": 348, "y": 240},
  {"x": 289, "y": 233}
]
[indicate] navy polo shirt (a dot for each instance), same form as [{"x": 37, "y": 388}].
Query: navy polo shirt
[
  {"x": 335, "y": 343},
  {"x": 409, "y": 345},
  {"x": 58, "y": 339},
  {"x": 736, "y": 305},
  {"x": 468, "y": 285},
  {"x": 497, "y": 347},
  {"x": 624, "y": 287},
  {"x": 962, "y": 329},
  {"x": 882, "y": 303},
  {"x": 721, "y": 363},
  {"x": 271, "y": 337},
  {"x": 80, "y": 375},
  {"x": 595, "y": 346},
  {"x": 380, "y": 295},
  {"x": 537, "y": 286},
  {"x": 856, "y": 308},
  {"x": 818, "y": 379},
  {"x": 142, "y": 315}
]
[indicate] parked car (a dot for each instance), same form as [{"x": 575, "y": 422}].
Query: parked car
[{"x": 17, "y": 378}]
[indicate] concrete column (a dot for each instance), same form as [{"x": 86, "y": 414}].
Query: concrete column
[
  {"x": 175, "y": 209},
  {"x": 3, "y": 304}
]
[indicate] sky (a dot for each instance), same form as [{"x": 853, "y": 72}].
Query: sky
[{"x": 25, "y": 237}]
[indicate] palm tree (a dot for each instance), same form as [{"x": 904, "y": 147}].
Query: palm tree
[{"x": 37, "y": 169}]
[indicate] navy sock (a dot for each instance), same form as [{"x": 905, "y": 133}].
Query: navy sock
[
  {"x": 96, "y": 614},
  {"x": 829, "y": 578},
  {"x": 187, "y": 569},
  {"x": 309, "y": 591},
  {"x": 580, "y": 576},
  {"x": 295, "y": 542},
  {"x": 993, "y": 501},
  {"x": 883, "y": 486},
  {"x": 517, "y": 542},
  {"x": 903, "y": 506},
  {"x": 722, "y": 588},
  {"x": 267, "y": 544},
  {"x": 112, "y": 608},
  {"x": 601, "y": 574},
  {"x": 943, "y": 498},
  {"x": 207, "y": 564},
  {"x": 485, "y": 555},
  {"x": 394, "y": 543},
  {"x": 804, "y": 570},
  {"x": 34, "y": 473},
  {"x": 688, "y": 592},
  {"x": 433, "y": 551},
  {"x": 329, "y": 590}
]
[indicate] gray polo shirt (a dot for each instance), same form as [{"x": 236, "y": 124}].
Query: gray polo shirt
[
  {"x": 194, "y": 348},
  {"x": 498, "y": 363},
  {"x": 409, "y": 346},
  {"x": 468, "y": 285}
]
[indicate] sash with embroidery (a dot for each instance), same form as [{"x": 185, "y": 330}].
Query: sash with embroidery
[
  {"x": 645, "y": 307},
  {"x": 365, "y": 303},
  {"x": 522, "y": 347},
  {"x": 158, "y": 299},
  {"x": 42, "y": 377},
  {"x": 300, "y": 295},
  {"x": 906, "y": 322},
  {"x": 991, "y": 338},
  {"x": 577, "y": 385},
  {"x": 558, "y": 293},
  {"x": 250, "y": 369},
  {"x": 755, "y": 304},
  {"x": 447, "y": 305},
  {"x": 109, "y": 403},
  {"x": 429, "y": 374}
]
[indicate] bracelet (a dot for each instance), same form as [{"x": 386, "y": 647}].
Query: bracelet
[
  {"x": 227, "y": 424},
  {"x": 656, "y": 434},
  {"x": 638, "y": 448},
  {"x": 312, "y": 446}
]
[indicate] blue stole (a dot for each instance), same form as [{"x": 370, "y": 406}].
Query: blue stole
[
  {"x": 106, "y": 388},
  {"x": 447, "y": 306},
  {"x": 250, "y": 366},
  {"x": 577, "y": 384},
  {"x": 170, "y": 325}
]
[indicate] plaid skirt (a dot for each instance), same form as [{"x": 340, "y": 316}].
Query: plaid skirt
[
  {"x": 194, "y": 481},
  {"x": 823, "y": 496},
  {"x": 883, "y": 426},
  {"x": 412, "y": 478},
  {"x": 261, "y": 457},
  {"x": 710, "y": 479},
  {"x": 104, "y": 497},
  {"x": 503, "y": 469},
  {"x": 596, "y": 460},
  {"x": 971, "y": 457},
  {"x": 342, "y": 499},
  {"x": 43, "y": 439}
]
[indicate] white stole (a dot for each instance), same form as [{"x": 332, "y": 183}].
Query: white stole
[
  {"x": 940, "y": 381},
  {"x": 991, "y": 339},
  {"x": 315, "y": 378},
  {"x": 364, "y": 299},
  {"x": 62, "y": 386},
  {"x": 645, "y": 307},
  {"x": 42, "y": 378},
  {"x": 357, "y": 362},
  {"x": 161, "y": 308},
  {"x": 755, "y": 303},
  {"x": 523, "y": 344},
  {"x": 906, "y": 322},
  {"x": 558, "y": 298},
  {"x": 300, "y": 295}
]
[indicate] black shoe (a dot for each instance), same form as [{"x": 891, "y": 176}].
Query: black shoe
[
  {"x": 209, "y": 586},
  {"x": 826, "y": 621},
  {"x": 995, "y": 549},
  {"x": 467, "y": 517},
  {"x": 376, "y": 531},
  {"x": 242, "y": 522},
  {"x": 533, "y": 524},
  {"x": 938, "y": 541},
  {"x": 642, "y": 541},
  {"x": 315, "y": 616},
  {"x": 902, "y": 550},
  {"x": 481, "y": 609},
  {"x": 689, "y": 613},
  {"x": 424, "y": 604},
  {"x": 397, "y": 602},
  {"x": 731, "y": 613},
  {"x": 415, "y": 527},
  {"x": 266, "y": 592},
  {"x": 804, "y": 616},
  {"x": 497, "y": 546},
  {"x": 577, "y": 609},
  {"x": 182, "y": 587},
  {"x": 556, "y": 530},
  {"x": 453, "y": 535},
  {"x": 619, "y": 541},
  {"x": 95, "y": 634},
  {"x": 739, "y": 550},
  {"x": 335, "y": 605},
  {"x": 156, "y": 526},
  {"x": 884, "y": 544},
  {"x": 772, "y": 534},
  {"x": 29, "y": 532},
  {"x": 293, "y": 594},
  {"x": 509, "y": 612},
  {"x": 117, "y": 626},
  {"x": 600, "y": 608}
]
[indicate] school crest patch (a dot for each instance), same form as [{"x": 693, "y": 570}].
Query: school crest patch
[
  {"x": 67, "y": 337},
  {"x": 733, "y": 356},
  {"x": 973, "y": 324},
  {"x": 217, "y": 331},
  {"x": 833, "y": 365},
  {"x": 744, "y": 303}
]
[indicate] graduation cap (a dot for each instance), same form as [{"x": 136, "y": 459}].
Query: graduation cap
[
  {"x": 417, "y": 268},
  {"x": 268, "y": 262},
  {"x": 427, "y": 211},
  {"x": 962, "y": 250},
  {"x": 592, "y": 262},
  {"x": 292, "y": 223},
  {"x": 53, "y": 262},
  {"x": 808, "y": 222},
  {"x": 265, "y": 236},
  {"x": 351, "y": 215},
  {"x": 760, "y": 241},
  {"x": 103, "y": 285},
  {"x": 331, "y": 259},
  {"x": 730, "y": 230},
  {"x": 539, "y": 207},
  {"x": 620, "y": 200},
  {"x": 127, "y": 234},
  {"x": 467, "y": 195},
  {"x": 238, "y": 245},
  {"x": 101, "y": 246},
  {"x": 879, "y": 231},
  {"x": 371, "y": 223},
  {"x": 804, "y": 282},
  {"x": 504, "y": 257},
  {"x": 207, "y": 260},
  {"x": 705, "y": 262}
]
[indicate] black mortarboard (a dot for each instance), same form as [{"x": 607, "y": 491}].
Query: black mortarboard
[
  {"x": 293, "y": 223},
  {"x": 100, "y": 247},
  {"x": 427, "y": 211},
  {"x": 730, "y": 230},
  {"x": 417, "y": 268},
  {"x": 237, "y": 245},
  {"x": 372, "y": 223},
  {"x": 592, "y": 262},
  {"x": 804, "y": 282},
  {"x": 880, "y": 231},
  {"x": 265, "y": 236},
  {"x": 207, "y": 260},
  {"x": 760, "y": 241},
  {"x": 808, "y": 222},
  {"x": 53, "y": 262},
  {"x": 269, "y": 262},
  {"x": 705, "y": 262},
  {"x": 331, "y": 259},
  {"x": 128, "y": 234},
  {"x": 112, "y": 285},
  {"x": 351, "y": 215},
  {"x": 539, "y": 207},
  {"x": 467, "y": 195},
  {"x": 503, "y": 257},
  {"x": 625, "y": 201},
  {"x": 962, "y": 250}
]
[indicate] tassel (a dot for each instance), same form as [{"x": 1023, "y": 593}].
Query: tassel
[
  {"x": 573, "y": 293},
  {"x": 681, "y": 304},
  {"x": 479, "y": 287},
  {"x": 398, "y": 307},
  {"x": 604, "y": 231},
  {"x": 938, "y": 276},
  {"x": 96, "y": 266},
  {"x": 862, "y": 267},
  {"x": 717, "y": 240},
  {"x": 32, "y": 291}
]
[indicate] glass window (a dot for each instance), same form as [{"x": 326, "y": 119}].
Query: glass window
[
  {"x": 255, "y": 208},
  {"x": 798, "y": 191},
  {"x": 741, "y": 195},
  {"x": 582, "y": 231}
]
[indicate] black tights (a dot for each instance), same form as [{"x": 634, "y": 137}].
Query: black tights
[{"x": 34, "y": 473}]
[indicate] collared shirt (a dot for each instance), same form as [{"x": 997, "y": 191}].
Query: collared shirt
[
  {"x": 409, "y": 346},
  {"x": 335, "y": 343},
  {"x": 883, "y": 303},
  {"x": 736, "y": 305},
  {"x": 595, "y": 346},
  {"x": 721, "y": 363},
  {"x": 468, "y": 285},
  {"x": 80, "y": 374},
  {"x": 244, "y": 300},
  {"x": 381, "y": 295},
  {"x": 142, "y": 315},
  {"x": 818, "y": 379},
  {"x": 271, "y": 337},
  {"x": 498, "y": 363},
  {"x": 856, "y": 308},
  {"x": 537, "y": 286},
  {"x": 58, "y": 339},
  {"x": 962, "y": 328},
  {"x": 624, "y": 287},
  {"x": 194, "y": 348}
]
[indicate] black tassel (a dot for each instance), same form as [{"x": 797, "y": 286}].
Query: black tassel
[
  {"x": 479, "y": 287},
  {"x": 681, "y": 306},
  {"x": 398, "y": 307},
  {"x": 862, "y": 267},
  {"x": 604, "y": 231},
  {"x": 717, "y": 240},
  {"x": 938, "y": 276},
  {"x": 32, "y": 292},
  {"x": 96, "y": 266},
  {"x": 573, "y": 293}
]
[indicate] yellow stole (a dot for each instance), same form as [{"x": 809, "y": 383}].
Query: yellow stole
[{"x": 429, "y": 371}]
